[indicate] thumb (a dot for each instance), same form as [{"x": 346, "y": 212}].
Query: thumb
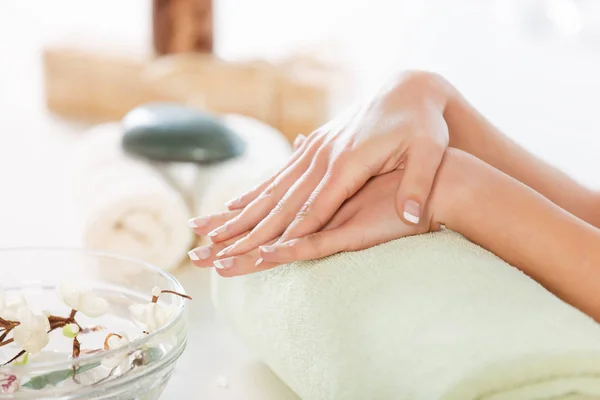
[{"x": 413, "y": 191}]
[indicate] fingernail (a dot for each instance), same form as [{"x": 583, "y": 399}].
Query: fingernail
[
  {"x": 412, "y": 211},
  {"x": 258, "y": 262},
  {"x": 232, "y": 202},
  {"x": 199, "y": 253},
  {"x": 225, "y": 263},
  {"x": 220, "y": 229},
  {"x": 267, "y": 249},
  {"x": 225, "y": 251},
  {"x": 198, "y": 222}
]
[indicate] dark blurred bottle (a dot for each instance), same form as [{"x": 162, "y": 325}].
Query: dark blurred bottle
[{"x": 182, "y": 26}]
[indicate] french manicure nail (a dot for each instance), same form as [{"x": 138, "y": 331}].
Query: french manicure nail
[
  {"x": 232, "y": 202},
  {"x": 224, "y": 264},
  {"x": 267, "y": 249},
  {"x": 225, "y": 251},
  {"x": 198, "y": 222},
  {"x": 220, "y": 229},
  {"x": 412, "y": 211},
  {"x": 200, "y": 253},
  {"x": 258, "y": 262}
]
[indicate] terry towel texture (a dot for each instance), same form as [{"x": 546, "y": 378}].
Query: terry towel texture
[
  {"x": 427, "y": 317},
  {"x": 126, "y": 205}
]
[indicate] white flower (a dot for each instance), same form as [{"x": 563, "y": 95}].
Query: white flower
[
  {"x": 32, "y": 332},
  {"x": 81, "y": 299},
  {"x": 120, "y": 360},
  {"x": 151, "y": 316},
  {"x": 9, "y": 311}
]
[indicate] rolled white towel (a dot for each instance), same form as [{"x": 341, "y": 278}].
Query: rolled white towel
[
  {"x": 126, "y": 205},
  {"x": 427, "y": 317}
]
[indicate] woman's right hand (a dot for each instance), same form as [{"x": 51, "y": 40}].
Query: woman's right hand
[{"x": 402, "y": 128}]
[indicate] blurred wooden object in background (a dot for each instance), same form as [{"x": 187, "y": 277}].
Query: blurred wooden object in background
[
  {"x": 182, "y": 26},
  {"x": 294, "y": 96}
]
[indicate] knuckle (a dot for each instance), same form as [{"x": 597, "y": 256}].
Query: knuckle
[
  {"x": 279, "y": 210},
  {"x": 307, "y": 213},
  {"x": 269, "y": 190}
]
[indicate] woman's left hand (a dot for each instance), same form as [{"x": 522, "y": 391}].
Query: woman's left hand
[{"x": 365, "y": 220}]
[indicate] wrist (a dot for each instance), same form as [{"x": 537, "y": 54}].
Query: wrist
[
  {"x": 453, "y": 189},
  {"x": 428, "y": 87}
]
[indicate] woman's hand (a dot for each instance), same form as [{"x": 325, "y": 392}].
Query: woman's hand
[
  {"x": 367, "y": 219},
  {"x": 401, "y": 128}
]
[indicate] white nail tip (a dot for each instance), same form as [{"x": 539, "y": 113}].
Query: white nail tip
[
  {"x": 411, "y": 218},
  {"x": 193, "y": 255},
  {"x": 218, "y": 230},
  {"x": 223, "y": 264},
  {"x": 223, "y": 252}
]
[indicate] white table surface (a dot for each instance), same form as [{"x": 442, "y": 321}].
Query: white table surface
[{"x": 543, "y": 94}]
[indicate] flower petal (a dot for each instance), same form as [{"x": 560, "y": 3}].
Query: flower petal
[
  {"x": 70, "y": 294},
  {"x": 93, "y": 306},
  {"x": 138, "y": 311}
]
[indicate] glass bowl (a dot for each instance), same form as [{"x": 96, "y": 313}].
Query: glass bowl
[{"x": 136, "y": 369}]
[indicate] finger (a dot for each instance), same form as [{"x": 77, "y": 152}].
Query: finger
[
  {"x": 246, "y": 198},
  {"x": 260, "y": 207},
  {"x": 204, "y": 256},
  {"x": 313, "y": 246},
  {"x": 298, "y": 141},
  {"x": 339, "y": 184},
  {"x": 423, "y": 161},
  {"x": 284, "y": 212},
  {"x": 203, "y": 225},
  {"x": 242, "y": 264}
]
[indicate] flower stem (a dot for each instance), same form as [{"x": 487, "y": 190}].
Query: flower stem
[
  {"x": 106, "y": 346},
  {"x": 15, "y": 357},
  {"x": 177, "y": 294}
]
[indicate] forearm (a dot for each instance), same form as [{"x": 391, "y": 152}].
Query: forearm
[
  {"x": 473, "y": 133},
  {"x": 519, "y": 225}
]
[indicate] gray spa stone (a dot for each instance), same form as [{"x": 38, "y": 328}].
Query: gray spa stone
[{"x": 172, "y": 132}]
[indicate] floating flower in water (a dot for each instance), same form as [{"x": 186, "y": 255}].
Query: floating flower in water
[
  {"x": 82, "y": 299},
  {"x": 115, "y": 341},
  {"x": 152, "y": 316},
  {"x": 8, "y": 311},
  {"x": 32, "y": 332}
]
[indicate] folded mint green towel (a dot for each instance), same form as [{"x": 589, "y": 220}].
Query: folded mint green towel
[{"x": 427, "y": 317}]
